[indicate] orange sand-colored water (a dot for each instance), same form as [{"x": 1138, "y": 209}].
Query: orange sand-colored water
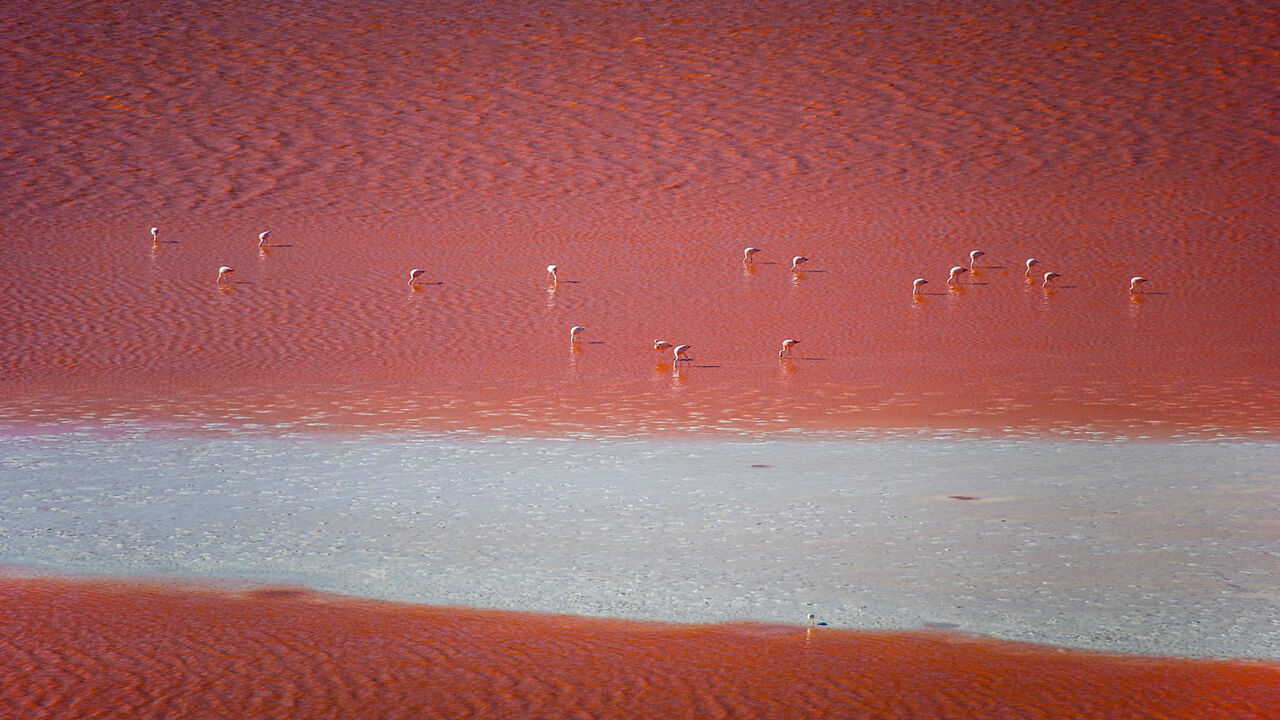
[
  {"x": 641, "y": 147},
  {"x": 97, "y": 650}
]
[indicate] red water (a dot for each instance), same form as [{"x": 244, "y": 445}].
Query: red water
[
  {"x": 641, "y": 147},
  {"x": 97, "y": 650}
]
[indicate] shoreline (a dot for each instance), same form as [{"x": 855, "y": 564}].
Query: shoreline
[
  {"x": 346, "y": 424},
  {"x": 1146, "y": 548},
  {"x": 18, "y": 579},
  {"x": 284, "y": 652}
]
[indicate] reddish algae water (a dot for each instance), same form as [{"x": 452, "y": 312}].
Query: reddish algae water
[
  {"x": 640, "y": 146},
  {"x": 103, "y": 650}
]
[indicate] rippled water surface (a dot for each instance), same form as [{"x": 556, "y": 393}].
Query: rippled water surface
[
  {"x": 284, "y": 653},
  {"x": 641, "y": 147}
]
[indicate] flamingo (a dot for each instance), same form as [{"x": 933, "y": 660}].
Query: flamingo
[
  {"x": 660, "y": 344},
  {"x": 973, "y": 258},
  {"x": 414, "y": 274},
  {"x": 223, "y": 273},
  {"x": 1135, "y": 282},
  {"x": 915, "y": 285},
  {"x": 1031, "y": 262},
  {"x": 797, "y": 261},
  {"x": 573, "y": 333},
  {"x": 1049, "y": 277},
  {"x": 682, "y": 353},
  {"x": 956, "y": 272},
  {"x": 262, "y": 238},
  {"x": 786, "y": 347},
  {"x": 155, "y": 235},
  {"x": 551, "y": 271},
  {"x": 746, "y": 254}
]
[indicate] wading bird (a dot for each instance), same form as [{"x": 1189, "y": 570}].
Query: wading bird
[
  {"x": 414, "y": 274},
  {"x": 1049, "y": 277},
  {"x": 746, "y": 254},
  {"x": 956, "y": 272},
  {"x": 973, "y": 258},
  {"x": 1031, "y": 262},
  {"x": 786, "y": 347},
  {"x": 916, "y": 284},
  {"x": 1135, "y": 282},
  {"x": 551, "y": 273},
  {"x": 224, "y": 273},
  {"x": 262, "y": 238},
  {"x": 682, "y": 353},
  {"x": 574, "y": 332}
]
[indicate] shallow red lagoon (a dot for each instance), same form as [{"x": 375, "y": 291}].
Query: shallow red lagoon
[
  {"x": 75, "y": 649},
  {"x": 641, "y": 146}
]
